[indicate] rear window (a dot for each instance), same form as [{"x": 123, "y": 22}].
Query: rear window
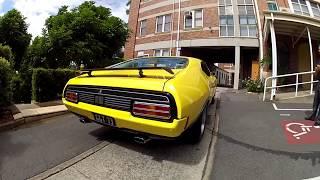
[{"x": 169, "y": 62}]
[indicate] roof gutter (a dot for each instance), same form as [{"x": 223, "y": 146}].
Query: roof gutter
[
  {"x": 260, "y": 34},
  {"x": 178, "y": 33}
]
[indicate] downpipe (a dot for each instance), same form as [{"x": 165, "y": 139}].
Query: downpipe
[{"x": 141, "y": 139}]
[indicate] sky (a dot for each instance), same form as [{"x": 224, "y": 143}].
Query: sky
[{"x": 37, "y": 11}]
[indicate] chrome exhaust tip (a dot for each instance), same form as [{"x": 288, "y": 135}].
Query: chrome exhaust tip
[{"x": 141, "y": 139}]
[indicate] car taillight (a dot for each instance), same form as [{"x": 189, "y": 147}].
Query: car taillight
[
  {"x": 71, "y": 96},
  {"x": 154, "y": 110}
]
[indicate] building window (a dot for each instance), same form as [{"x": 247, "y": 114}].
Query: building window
[
  {"x": 315, "y": 9},
  {"x": 163, "y": 23},
  {"x": 248, "y": 26},
  {"x": 272, "y": 5},
  {"x": 226, "y": 25},
  {"x": 143, "y": 27},
  {"x": 226, "y": 18},
  {"x": 162, "y": 52},
  {"x": 300, "y": 7},
  {"x": 193, "y": 19},
  {"x": 247, "y": 18}
]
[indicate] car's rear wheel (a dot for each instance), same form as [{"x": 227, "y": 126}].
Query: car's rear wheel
[
  {"x": 213, "y": 100},
  {"x": 197, "y": 130}
]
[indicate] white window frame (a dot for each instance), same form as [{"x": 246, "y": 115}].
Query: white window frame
[
  {"x": 252, "y": 3},
  {"x": 226, "y": 25},
  {"x": 140, "y": 29},
  {"x": 318, "y": 7},
  {"x": 247, "y": 15},
  {"x": 274, "y": 2},
  {"x": 163, "y": 23},
  {"x": 193, "y": 19},
  {"x": 302, "y": 13},
  {"x": 248, "y": 26},
  {"x": 161, "y": 51}
]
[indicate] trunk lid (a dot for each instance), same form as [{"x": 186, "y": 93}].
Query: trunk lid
[{"x": 152, "y": 79}]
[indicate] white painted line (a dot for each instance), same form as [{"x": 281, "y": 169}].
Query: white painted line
[
  {"x": 287, "y": 115},
  {"x": 315, "y": 178},
  {"x": 275, "y": 106},
  {"x": 278, "y": 109}
]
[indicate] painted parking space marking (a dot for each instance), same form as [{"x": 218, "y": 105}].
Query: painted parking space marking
[
  {"x": 294, "y": 109},
  {"x": 315, "y": 178},
  {"x": 285, "y": 115},
  {"x": 301, "y": 132}
]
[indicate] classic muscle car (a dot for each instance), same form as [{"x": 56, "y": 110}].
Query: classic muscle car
[{"x": 153, "y": 97}]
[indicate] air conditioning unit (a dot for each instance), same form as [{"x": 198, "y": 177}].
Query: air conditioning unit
[{"x": 188, "y": 14}]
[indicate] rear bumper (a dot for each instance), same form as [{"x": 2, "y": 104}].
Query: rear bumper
[{"x": 124, "y": 120}]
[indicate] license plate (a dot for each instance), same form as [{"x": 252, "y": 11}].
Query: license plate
[{"x": 105, "y": 120}]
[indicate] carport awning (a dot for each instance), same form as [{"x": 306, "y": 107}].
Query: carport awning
[
  {"x": 296, "y": 26},
  {"x": 292, "y": 24}
]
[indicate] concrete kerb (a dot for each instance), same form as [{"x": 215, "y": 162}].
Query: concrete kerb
[
  {"x": 211, "y": 151},
  {"x": 50, "y": 172},
  {"x": 34, "y": 115}
]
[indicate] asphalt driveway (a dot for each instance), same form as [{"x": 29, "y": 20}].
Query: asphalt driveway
[{"x": 252, "y": 144}]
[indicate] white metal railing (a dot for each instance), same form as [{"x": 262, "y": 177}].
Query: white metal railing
[{"x": 287, "y": 85}]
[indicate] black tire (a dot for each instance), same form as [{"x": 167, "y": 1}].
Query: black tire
[
  {"x": 213, "y": 100},
  {"x": 197, "y": 130}
]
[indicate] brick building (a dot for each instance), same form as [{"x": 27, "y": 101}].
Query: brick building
[{"x": 240, "y": 32}]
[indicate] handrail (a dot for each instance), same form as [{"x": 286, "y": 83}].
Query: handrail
[{"x": 287, "y": 85}]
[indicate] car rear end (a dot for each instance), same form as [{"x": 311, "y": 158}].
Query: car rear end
[{"x": 129, "y": 103}]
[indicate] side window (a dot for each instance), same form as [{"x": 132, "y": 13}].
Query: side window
[{"x": 205, "y": 68}]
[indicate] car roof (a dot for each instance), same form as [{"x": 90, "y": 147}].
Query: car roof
[{"x": 189, "y": 58}]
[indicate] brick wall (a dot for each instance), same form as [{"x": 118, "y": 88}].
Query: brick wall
[
  {"x": 132, "y": 23},
  {"x": 210, "y": 22}
]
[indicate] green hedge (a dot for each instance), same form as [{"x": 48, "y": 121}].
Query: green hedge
[
  {"x": 48, "y": 84},
  {"x": 21, "y": 87},
  {"x": 5, "y": 79}
]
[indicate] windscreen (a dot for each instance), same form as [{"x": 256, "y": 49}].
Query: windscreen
[{"x": 168, "y": 62}]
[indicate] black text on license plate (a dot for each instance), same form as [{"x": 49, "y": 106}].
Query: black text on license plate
[{"x": 105, "y": 120}]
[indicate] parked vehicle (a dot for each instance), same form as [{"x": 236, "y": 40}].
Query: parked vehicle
[{"x": 153, "y": 97}]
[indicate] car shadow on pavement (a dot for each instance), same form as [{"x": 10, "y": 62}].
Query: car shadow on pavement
[
  {"x": 314, "y": 156},
  {"x": 8, "y": 149},
  {"x": 179, "y": 151}
]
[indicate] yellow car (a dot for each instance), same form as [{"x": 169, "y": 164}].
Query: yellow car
[{"x": 153, "y": 97}]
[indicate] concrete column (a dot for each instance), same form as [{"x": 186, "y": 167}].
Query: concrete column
[
  {"x": 236, "y": 67},
  {"x": 274, "y": 59},
  {"x": 236, "y": 18}
]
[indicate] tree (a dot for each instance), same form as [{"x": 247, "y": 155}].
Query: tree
[
  {"x": 88, "y": 34},
  {"x": 5, "y": 52},
  {"x": 5, "y": 78},
  {"x": 36, "y": 54},
  {"x": 13, "y": 32}
]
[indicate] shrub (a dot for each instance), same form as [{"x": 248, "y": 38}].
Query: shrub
[
  {"x": 21, "y": 87},
  {"x": 253, "y": 85},
  {"x": 5, "y": 78},
  {"x": 48, "y": 84}
]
